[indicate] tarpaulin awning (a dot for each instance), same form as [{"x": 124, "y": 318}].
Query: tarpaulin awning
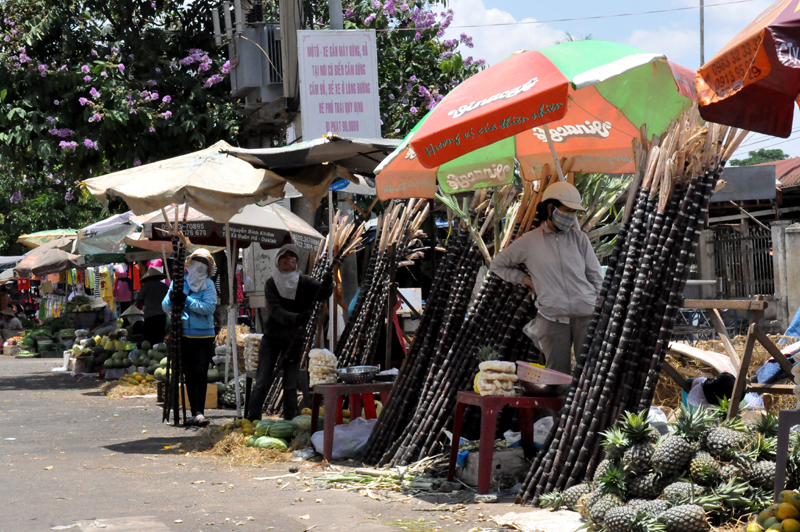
[
  {"x": 34, "y": 240},
  {"x": 270, "y": 226},
  {"x": 53, "y": 257}
]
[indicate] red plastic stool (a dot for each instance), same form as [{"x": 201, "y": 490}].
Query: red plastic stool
[
  {"x": 490, "y": 408},
  {"x": 331, "y": 394}
]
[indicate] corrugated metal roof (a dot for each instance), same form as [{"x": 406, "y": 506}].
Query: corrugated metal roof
[{"x": 787, "y": 171}]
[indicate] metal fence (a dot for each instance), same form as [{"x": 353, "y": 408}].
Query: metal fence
[{"x": 744, "y": 261}]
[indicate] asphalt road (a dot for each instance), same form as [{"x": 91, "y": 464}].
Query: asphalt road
[{"x": 74, "y": 459}]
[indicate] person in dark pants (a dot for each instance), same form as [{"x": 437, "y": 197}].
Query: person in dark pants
[
  {"x": 149, "y": 297},
  {"x": 290, "y": 301},
  {"x": 197, "y": 343}
]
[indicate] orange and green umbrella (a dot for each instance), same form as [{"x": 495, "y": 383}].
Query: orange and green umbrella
[
  {"x": 754, "y": 81},
  {"x": 592, "y": 97}
]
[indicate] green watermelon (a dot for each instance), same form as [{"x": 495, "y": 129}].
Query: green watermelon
[
  {"x": 212, "y": 375},
  {"x": 127, "y": 362},
  {"x": 163, "y": 362},
  {"x": 303, "y": 422},
  {"x": 146, "y": 345},
  {"x": 90, "y": 343},
  {"x": 283, "y": 429},
  {"x": 266, "y": 442},
  {"x": 160, "y": 374},
  {"x": 108, "y": 363},
  {"x": 251, "y": 441},
  {"x": 162, "y": 348}
]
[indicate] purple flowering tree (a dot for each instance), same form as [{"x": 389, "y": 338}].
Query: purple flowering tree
[{"x": 88, "y": 87}]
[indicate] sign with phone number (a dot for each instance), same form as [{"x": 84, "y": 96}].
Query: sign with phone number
[{"x": 737, "y": 68}]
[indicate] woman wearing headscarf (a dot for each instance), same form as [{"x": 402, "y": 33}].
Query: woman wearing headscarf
[
  {"x": 199, "y": 297},
  {"x": 562, "y": 271},
  {"x": 290, "y": 301},
  {"x": 149, "y": 297}
]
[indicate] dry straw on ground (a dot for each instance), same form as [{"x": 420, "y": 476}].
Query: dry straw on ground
[
  {"x": 668, "y": 394},
  {"x": 230, "y": 447},
  {"x": 119, "y": 390}
]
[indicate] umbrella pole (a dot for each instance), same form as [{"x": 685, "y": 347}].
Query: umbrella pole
[
  {"x": 332, "y": 302},
  {"x": 231, "y": 317},
  {"x": 553, "y": 152}
]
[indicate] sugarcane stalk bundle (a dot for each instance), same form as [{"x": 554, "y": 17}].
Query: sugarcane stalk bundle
[
  {"x": 348, "y": 238},
  {"x": 174, "y": 379},
  {"x": 399, "y": 229},
  {"x": 621, "y": 357}
]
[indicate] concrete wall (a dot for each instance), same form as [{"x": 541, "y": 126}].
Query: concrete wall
[{"x": 792, "y": 261}]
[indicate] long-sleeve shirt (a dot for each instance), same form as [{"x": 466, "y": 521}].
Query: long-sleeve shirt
[
  {"x": 282, "y": 313},
  {"x": 151, "y": 295},
  {"x": 565, "y": 271}
]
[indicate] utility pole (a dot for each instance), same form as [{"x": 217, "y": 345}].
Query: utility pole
[
  {"x": 702, "y": 33},
  {"x": 335, "y": 14}
]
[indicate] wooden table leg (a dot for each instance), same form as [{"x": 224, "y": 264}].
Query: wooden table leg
[
  {"x": 526, "y": 430},
  {"x": 486, "y": 449},
  {"x": 741, "y": 378},
  {"x": 457, "y": 421},
  {"x": 369, "y": 406},
  {"x": 337, "y": 408},
  {"x": 332, "y": 399}
]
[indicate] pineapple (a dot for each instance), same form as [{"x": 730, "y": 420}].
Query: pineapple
[
  {"x": 793, "y": 462},
  {"x": 571, "y": 495},
  {"x": 646, "y": 522},
  {"x": 762, "y": 474},
  {"x": 583, "y": 505},
  {"x": 732, "y": 471},
  {"x": 615, "y": 442},
  {"x": 601, "y": 468},
  {"x": 642, "y": 436},
  {"x": 686, "y": 518},
  {"x": 677, "y": 492},
  {"x": 656, "y": 507},
  {"x": 553, "y": 500},
  {"x": 636, "y": 504},
  {"x": 767, "y": 425},
  {"x": 612, "y": 486},
  {"x": 704, "y": 469},
  {"x": 619, "y": 519},
  {"x": 647, "y": 486},
  {"x": 675, "y": 452},
  {"x": 726, "y": 441}
]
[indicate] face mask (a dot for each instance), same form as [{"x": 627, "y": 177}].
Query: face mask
[{"x": 563, "y": 220}]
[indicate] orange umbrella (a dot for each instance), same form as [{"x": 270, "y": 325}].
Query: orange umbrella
[{"x": 753, "y": 82}]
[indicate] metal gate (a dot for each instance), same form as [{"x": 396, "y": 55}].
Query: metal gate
[{"x": 744, "y": 261}]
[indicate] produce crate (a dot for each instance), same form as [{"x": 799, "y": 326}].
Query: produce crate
[
  {"x": 12, "y": 350},
  {"x": 211, "y": 396}
]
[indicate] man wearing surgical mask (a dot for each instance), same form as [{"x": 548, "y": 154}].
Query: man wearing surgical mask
[{"x": 562, "y": 271}]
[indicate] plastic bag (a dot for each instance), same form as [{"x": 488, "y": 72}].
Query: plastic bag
[
  {"x": 541, "y": 429},
  {"x": 348, "y": 440}
]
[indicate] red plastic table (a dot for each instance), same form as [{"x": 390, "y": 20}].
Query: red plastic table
[
  {"x": 331, "y": 396},
  {"x": 490, "y": 408}
]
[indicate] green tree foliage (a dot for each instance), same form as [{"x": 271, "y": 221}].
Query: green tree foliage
[
  {"x": 89, "y": 87},
  {"x": 760, "y": 156}
]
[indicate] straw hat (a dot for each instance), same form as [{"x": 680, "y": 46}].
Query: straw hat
[
  {"x": 133, "y": 310},
  {"x": 203, "y": 255},
  {"x": 8, "y": 312},
  {"x": 98, "y": 303},
  {"x": 153, "y": 273}
]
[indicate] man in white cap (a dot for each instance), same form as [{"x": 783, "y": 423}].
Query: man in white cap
[
  {"x": 8, "y": 320},
  {"x": 562, "y": 271}
]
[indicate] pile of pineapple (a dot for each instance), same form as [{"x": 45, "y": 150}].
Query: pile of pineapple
[{"x": 709, "y": 470}]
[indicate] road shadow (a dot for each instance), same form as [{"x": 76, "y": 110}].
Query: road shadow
[
  {"x": 47, "y": 381},
  {"x": 153, "y": 445}
]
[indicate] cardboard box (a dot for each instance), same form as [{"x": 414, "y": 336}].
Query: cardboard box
[{"x": 211, "y": 396}]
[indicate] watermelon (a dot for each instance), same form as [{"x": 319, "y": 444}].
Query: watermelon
[
  {"x": 90, "y": 343},
  {"x": 251, "y": 441},
  {"x": 160, "y": 374},
  {"x": 212, "y": 375},
  {"x": 267, "y": 442},
  {"x": 303, "y": 422},
  {"x": 127, "y": 362},
  {"x": 146, "y": 346},
  {"x": 108, "y": 363},
  {"x": 283, "y": 429},
  {"x": 163, "y": 362},
  {"x": 162, "y": 348}
]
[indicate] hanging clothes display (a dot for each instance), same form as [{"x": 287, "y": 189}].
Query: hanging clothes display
[
  {"x": 106, "y": 286},
  {"x": 135, "y": 276}
]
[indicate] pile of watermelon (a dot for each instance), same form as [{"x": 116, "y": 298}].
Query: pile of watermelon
[{"x": 270, "y": 433}]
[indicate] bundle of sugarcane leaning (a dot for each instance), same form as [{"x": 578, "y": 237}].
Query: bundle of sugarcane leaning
[
  {"x": 398, "y": 240},
  {"x": 619, "y": 364},
  {"x": 441, "y": 360},
  {"x": 348, "y": 238}
]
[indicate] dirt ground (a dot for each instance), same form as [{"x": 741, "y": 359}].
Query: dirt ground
[{"x": 77, "y": 460}]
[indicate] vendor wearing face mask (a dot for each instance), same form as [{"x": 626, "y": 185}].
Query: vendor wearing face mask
[
  {"x": 563, "y": 273},
  {"x": 290, "y": 301},
  {"x": 199, "y": 298}
]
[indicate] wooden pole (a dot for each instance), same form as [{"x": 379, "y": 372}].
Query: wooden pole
[{"x": 390, "y": 307}]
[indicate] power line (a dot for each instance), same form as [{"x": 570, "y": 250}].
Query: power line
[
  {"x": 766, "y": 139},
  {"x": 595, "y": 17}
]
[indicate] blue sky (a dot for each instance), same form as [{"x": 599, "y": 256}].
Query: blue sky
[{"x": 675, "y": 33}]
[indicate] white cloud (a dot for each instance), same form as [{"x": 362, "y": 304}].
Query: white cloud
[
  {"x": 494, "y": 43},
  {"x": 674, "y": 43}
]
